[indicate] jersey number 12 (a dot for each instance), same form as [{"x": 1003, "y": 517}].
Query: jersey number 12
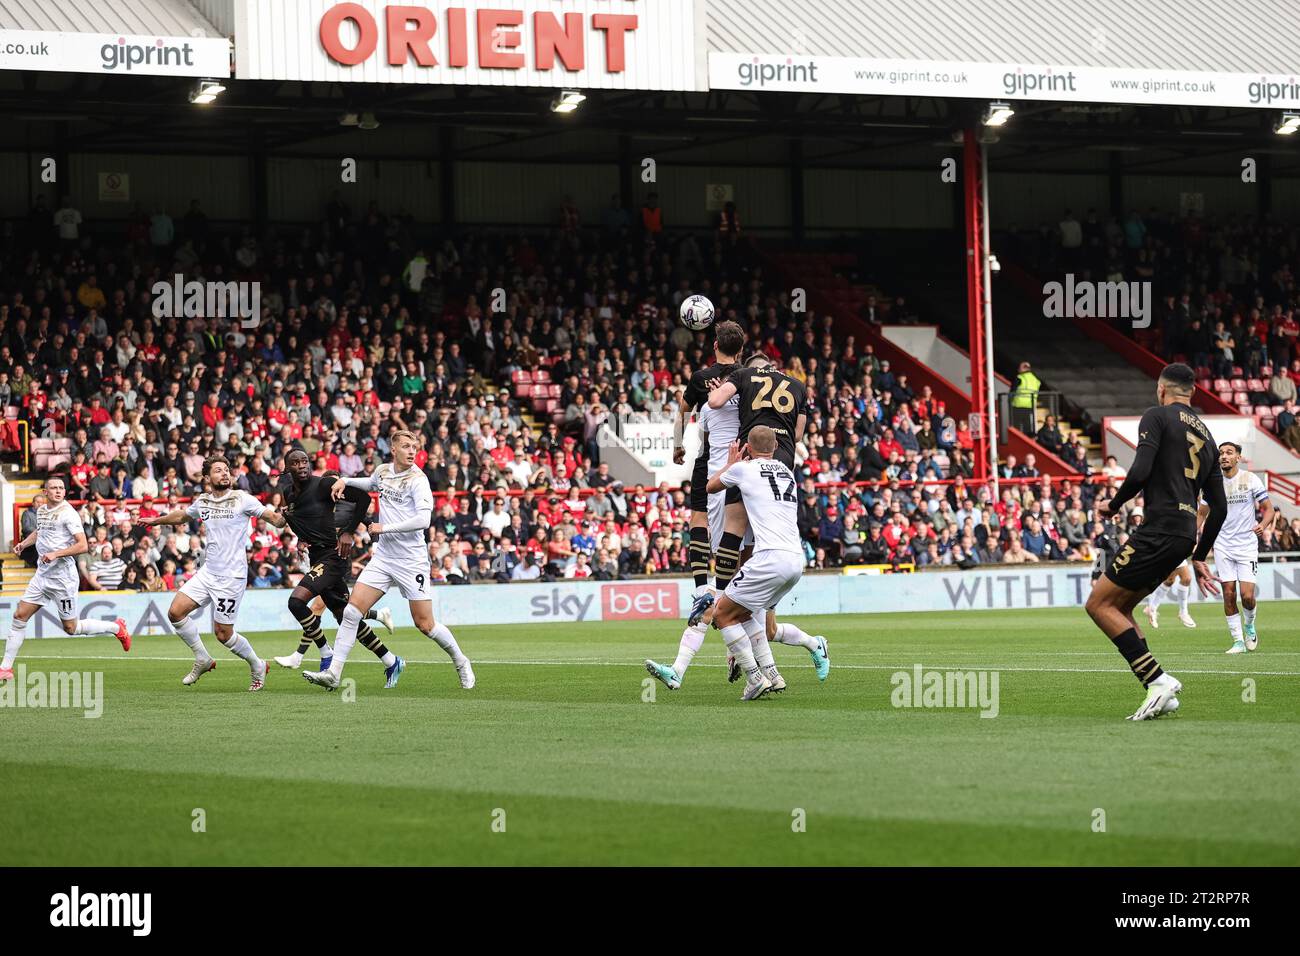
[{"x": 787, "y": 495}]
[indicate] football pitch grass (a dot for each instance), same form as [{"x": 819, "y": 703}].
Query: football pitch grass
[{"x": 556, "y": 757}]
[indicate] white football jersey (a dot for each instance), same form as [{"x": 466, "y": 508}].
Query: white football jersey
[
  {"x": 57, "y": 527},
  {"x": 226, "y": 523},
  {"x": 723, "y": 427},
  {"x": 1245, "y": 493},
  {"x": 771, "y": 502},
  {"x": 402, "y": 496}
]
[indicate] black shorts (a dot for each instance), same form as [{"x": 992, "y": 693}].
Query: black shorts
[
  {"x": 784, "y": 455},
  {"x": 328, "y": 579},
  {"x": 1147, "y": 559},
  {"x": 700, "y": 480}
]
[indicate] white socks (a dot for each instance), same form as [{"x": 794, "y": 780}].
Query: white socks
[
  {"x": 789, "y": 634},
  {"x": 89, "y": 625},
  {"x": 1248, "y": 615},
  {"x": 444, "y": 639},
  {"x": 1234, "y": 627},
  {"x": 757, "y": 632},
  {"x": 1156, "y": 596},
  {"x": 189, "y": 633},
  {"x": 692, "y": 641},
  {"x": 738, "y": 644},
  {"x": 240, "y": 647},
  {"x": 1179, "y": 593},
  {"x": 17, "y": 634},
  {"x": 389, "y": 659},
  {"x": 344, "y": 639}
]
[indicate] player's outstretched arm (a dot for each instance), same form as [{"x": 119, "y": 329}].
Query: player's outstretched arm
[
  {"x": 172, "y": 517},
  {"x": 25, "y": 543},
  {"x": 722, "y": 394},
  {"x": 274, "y": 518},
  {"x": 340, "y": 486}
]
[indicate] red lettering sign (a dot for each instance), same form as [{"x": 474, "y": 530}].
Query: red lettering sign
[
  {"x": 638, "y": 602},
  {"x": 499, "y": 40}
]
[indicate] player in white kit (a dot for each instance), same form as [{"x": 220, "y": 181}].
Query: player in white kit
[
  {"x": 1236, "y": 549},
  {"x": 59, "y": 538},
  {"x": 400, "y": 559},
  {"x": 225, "y": 513},
  {"x": 767, "y": 487}
]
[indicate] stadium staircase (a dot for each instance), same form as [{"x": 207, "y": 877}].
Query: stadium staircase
[
  {"x": 822, "y": 276},
  {"x": 944, "y": 299},
  {"x": 16, "y": 572}
]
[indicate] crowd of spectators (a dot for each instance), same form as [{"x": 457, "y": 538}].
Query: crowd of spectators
[
  {"x": 368, "y": 325},
  {"x": 1225, "y": 296}
]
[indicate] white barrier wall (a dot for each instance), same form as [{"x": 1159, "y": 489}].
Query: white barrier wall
[{"x": 996, "y": 588}]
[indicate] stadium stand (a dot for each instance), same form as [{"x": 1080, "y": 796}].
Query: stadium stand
[{"x": 366, "y": 325}]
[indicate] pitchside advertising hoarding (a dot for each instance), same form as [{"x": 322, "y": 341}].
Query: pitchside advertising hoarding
[
  {"x": 584, "y": 44},
  {"x": 1000, "y": 81},
  {"x": 571, "y": 602},
  {"x": 116, "y": 54}
]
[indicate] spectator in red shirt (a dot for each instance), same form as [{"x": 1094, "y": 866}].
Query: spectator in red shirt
[{"x": 889, "y": 445}]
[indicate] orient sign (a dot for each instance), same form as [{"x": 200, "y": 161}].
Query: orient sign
[
  {"x": 575, "y": 44},
  {"x": 497, "y": 39}
]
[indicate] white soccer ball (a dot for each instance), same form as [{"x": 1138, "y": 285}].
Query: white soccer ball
[{"x": 696, "y": 313}]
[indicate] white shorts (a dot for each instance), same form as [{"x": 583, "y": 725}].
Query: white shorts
[
  {"x": 1228, "y": 567},
  {"x": 56, "y": 594},
  {"x": 717, "y": 517},
  {"x": 765, "y": 579},
  {"x": 412, "y": 580},
  {"x": 224, "y": 594}
]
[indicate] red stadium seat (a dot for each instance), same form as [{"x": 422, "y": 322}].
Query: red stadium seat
[
  {"x": 1205, "y": 384},
  {"x": 1255, "y": 385},
  {"x": 1246, "y": 410},
  {"x": 1222, "y": 385},
  {"x": 1225, "y": 396},
  {"x": 1263, "y": 409},
  {"x": 1238, "y": 384},
  {"x": 1241, "y": 398},
  {"x": 551, "y": 405},
  {"x": 556, "y": 391},
  {"x": 521, "y": 375},
  {"x": 523, "y": 390},
  {"x": 542, "y": 375},
  {"x": 42, "y": 446},
  {"x": 1267, "y": 422}
]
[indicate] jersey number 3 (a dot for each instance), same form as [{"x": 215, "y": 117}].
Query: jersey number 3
[{"x": 1195, "y": 445}]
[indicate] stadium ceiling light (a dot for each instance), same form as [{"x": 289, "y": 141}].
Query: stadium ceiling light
[
  {"x": 206, "y": 92},
  {"x": 998, "y": 113},
  {"x": 567, "y": 101},
  {"x": 1288, "y": 124},
  {"x": 368, "y": 121}
]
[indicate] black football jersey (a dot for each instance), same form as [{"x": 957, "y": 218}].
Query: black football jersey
[
  {"x": 315, "y": 517},
  {"x": 771, "y": 398},
  {"x": 1186, "y": 461}
]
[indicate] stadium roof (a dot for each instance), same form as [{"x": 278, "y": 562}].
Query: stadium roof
[
  {"x": 1154, "y": 35},
  {"x": 171, "y": 18}
]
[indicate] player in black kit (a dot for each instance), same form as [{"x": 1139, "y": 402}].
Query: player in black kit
[
  {"x": 311, "y": 512},
  {"x": 728, "y": 341},
  {"x": 1177, "y": 462}
]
